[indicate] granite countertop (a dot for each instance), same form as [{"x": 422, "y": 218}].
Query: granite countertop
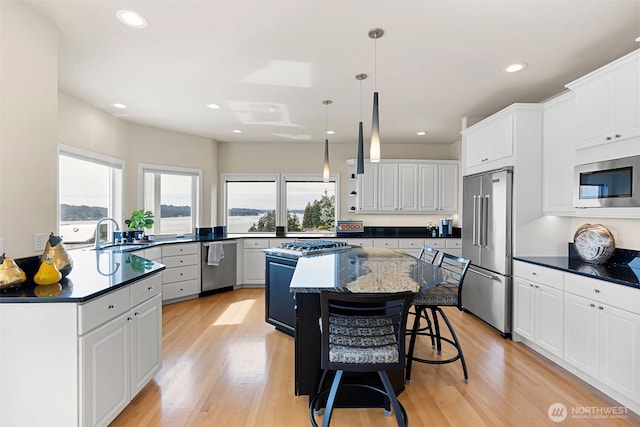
[
  {"x": 627, "y": 274},
  {"x": 363, "y": 269},
  {"x": 94, "y": 273}
]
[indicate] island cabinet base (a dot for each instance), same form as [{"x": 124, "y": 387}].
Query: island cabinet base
[
  {"x": 307, "y": 361},
  {"x": 279, "y": 301}
]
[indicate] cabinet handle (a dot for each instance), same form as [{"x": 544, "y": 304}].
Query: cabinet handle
[
  {"x": 592, "y": 305},
  {"x": 618, "y": 136},
  {"x": 597, "y": 291},
  {"x": 531, "y": 285},
  {"x": 600, "y": 308},
  {"x": 150, "y": 288},
  {"x": 537, "y": 287},
  {"x": 608, "y": 138},
  {"x": 111, "y": 307},
  {"x": 129, "y": 319},
  {"x": 534, "y": 273},
  {"x": 137, "y": 314}
]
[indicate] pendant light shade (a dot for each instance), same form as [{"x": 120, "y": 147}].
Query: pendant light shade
[
  {"x": 360, "y": 158},
  {"x": 325, "y": 169},
  {"x": 374, "y": 153}
]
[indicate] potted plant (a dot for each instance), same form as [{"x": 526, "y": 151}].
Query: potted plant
[{"x": 139, "y": 220}]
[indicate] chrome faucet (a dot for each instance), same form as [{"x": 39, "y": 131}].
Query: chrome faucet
[{"x": 100, "y": 221}]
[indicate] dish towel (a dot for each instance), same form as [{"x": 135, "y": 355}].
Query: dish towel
[{"x": 216, "y": 253}]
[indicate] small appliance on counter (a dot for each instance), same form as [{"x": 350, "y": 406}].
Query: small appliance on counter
[{"x": 446, "y": 227}]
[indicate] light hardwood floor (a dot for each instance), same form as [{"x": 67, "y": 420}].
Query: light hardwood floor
[{"x": 224, "y": 366}]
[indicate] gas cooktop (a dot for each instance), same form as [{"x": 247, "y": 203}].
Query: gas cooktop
[{"x": 311, "y": 247}]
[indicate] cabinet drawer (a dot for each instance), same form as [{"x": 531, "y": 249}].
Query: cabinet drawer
[
  {"x": 154, "y": 253},
  {"x": 386, "y": 243},
  {"x": 411, "y": 243},
  {"x": 180, "y": 289},
  {"x": 436, "y": 243},
  {"x": 256, "y": 243},
  {"x": 96, "y": 312},
  {"x": 360, "y": 242},
  {"x": 181, "y": 260},
  {"x": 536, "y": 273},
  {"x": 178, "y": 274},
  {"x": 620, "y": 296},
  {"x": 180, "y": 249},
  {"x": 145, "y": 289},
  {"x": 453, "y": 243}
]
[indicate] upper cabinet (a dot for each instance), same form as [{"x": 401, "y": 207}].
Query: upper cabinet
[
  {"x": 405, "y": 186},
  {"x": 511, "y": 134},
  {"x": 608, "y": 106}
]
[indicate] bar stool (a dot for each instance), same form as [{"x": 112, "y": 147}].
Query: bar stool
[
  {"x": 362, "y": 333},
  {"x": 445, "y": 294}
]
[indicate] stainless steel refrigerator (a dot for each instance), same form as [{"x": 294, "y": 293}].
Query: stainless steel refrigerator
[{"x": 486, "y": 241}]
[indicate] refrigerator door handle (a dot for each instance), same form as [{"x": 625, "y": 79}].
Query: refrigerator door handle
[
  {"x": 474, "y": 222},
  {"x": 484, "y": 227},
  {"x": 488, "y": 276}
]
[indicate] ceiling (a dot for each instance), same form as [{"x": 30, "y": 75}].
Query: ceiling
[{"x": 270, "y": 64}]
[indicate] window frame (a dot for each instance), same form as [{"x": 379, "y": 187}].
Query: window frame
[
  {"x": 281, "y": 180},
  {"x": 115, "y": 209},
  {"x": 196, "y": 193}
]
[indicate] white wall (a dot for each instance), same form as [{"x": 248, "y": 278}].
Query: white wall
[{"x": 28, "y": 127}]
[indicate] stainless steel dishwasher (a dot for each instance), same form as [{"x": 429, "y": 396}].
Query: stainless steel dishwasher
[{"x": 221, "y": 276}]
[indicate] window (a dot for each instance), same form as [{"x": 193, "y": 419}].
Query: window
[
  {"x": 174, "y": 197},
  {"x": 89, "y": 188},
  {"x": 257, "y": 203}
]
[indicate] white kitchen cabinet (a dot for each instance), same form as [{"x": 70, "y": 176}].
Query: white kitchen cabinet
[
  {"x": 608, "y": 104},
  {"x": 253, "y": 262},
  {"x": 181, "y": 278},
  {"x": 510, "y": 137},
  {"x": 489, "y": 141},
  {"x": 538, "y": 307},
  {"x": 406, "y": 186},
  {"x": 388, "y": 187},
  {"x": 120, "y": 356},
  {"x": 558, "y": 152},
  {"x": 602, "y": 332}
]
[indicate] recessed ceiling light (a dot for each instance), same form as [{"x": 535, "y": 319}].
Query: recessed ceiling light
[
  {"x": 214, "y": 106},
  {"x": 132, "y": 19},
  {"x": 330, "y": 132},
  {"x": 237, "y": 131},
  {"x": 515, "y": 67},
  {"x": 118, "y": 105},
  {"x": 420, "y": 133}
]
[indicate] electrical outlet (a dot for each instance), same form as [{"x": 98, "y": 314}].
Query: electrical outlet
[{"x": 38, "y": 242}]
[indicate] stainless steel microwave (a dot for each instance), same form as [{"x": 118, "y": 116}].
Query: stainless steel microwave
[{"x": 610, "y": 183}]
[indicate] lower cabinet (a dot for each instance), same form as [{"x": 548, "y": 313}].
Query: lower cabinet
[
  {"x": 253, "y": 261},
  {"x": 279, "y": 300},
  {"x": 181, "y": 279},
  {"x": 119, "y": 358}
]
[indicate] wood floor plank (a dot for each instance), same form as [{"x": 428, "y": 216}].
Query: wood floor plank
[{"x": 224, "y": 366}]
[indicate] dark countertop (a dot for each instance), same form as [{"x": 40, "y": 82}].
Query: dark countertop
[
  {"x": 622, "y": 274},
  {"x": 94, "y": 273},
  {"x": 363, "y": 269}
]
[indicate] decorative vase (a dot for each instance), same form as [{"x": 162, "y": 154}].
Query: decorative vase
[
  {"x": 594, "y": 243},
  {"x": 58, "y": 254}
]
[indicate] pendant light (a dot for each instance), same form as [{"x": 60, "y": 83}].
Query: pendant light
[
  {"x": 325, "y": 171},
  {"x": 360, "y": 161},
  {"x": 374, "y": 153}
]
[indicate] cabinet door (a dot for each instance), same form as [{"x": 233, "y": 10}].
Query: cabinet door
[
  {"x": 620, "y": 350},
  {"x": 146, "y": 342},
  {"x": 388, "y": 187},
  {"x": 368, "y": 188},
  {"x": 448, "y": 188},
  {"x": 428, "y": 183},
  {"x": 627, "y": 121},
  {"x": 558, "y": 152},
  {"x": 408, "y": 187},
  {"x": 595, "y": 111},
  {"x": 581, "y": 333},
  {"x": 105, "y": 380},
  {"x": 475, "y": 146},
  {"x": 500, "y": 142},
  {"x": 253, "y": 267},
  {"x": 549, "y": 333},
  {"x": 524, "y": 310}
]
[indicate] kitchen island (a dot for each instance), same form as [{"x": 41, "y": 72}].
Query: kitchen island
[
  {"x": 356, "y": 270},
  {"x": 77, "y": 352}
]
